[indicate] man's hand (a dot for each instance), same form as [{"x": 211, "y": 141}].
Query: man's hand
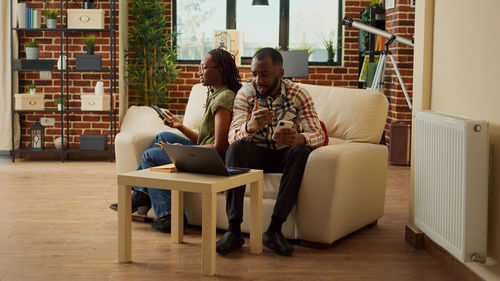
[
  {"x": 260, "y": 118},
  {"x": 288, "y": 136}
]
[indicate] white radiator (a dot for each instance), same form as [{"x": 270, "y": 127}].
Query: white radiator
[{"x": 451, "y": 182}]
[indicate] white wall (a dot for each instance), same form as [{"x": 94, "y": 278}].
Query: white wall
[{"x": 463, "y": 77}]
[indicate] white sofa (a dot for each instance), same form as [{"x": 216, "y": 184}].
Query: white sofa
[{"x": 343, "y": 188}]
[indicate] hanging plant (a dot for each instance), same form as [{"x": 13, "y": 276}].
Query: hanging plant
[{"x": 151, "y": 57}]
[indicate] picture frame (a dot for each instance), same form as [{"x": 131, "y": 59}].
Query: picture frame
[{"x": 389, "y": 4}]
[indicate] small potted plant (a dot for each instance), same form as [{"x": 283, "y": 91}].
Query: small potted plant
[
  {"x": 51, "y": 18},
  {"x": 90, "y": 44},
  {"x": 59, "y": 101},
  {"x": 330, "y": 48},
  {"x": 32, "y": 50},
  {"x": 32, "y": 88}
]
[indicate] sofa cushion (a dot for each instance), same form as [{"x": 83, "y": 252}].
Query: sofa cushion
[
  {"x": 139, "y": 116},
  {"x": 195, "y": 107},
  {"x": 340, "y": 109}
]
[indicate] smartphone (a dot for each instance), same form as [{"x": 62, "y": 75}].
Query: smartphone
[
  {"x": 283, "y": 124},
  {"x": 163, "y": 115}
]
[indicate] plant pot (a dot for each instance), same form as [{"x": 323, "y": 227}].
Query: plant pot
[
  {"x": 329, "y": 61},
  {"x": 32, "y": 91},
  {"x": 31, "y": 53},
  {"x": 59, "y": 106},
  {"x": 51, "y": 23},
  {"x": 90, "y": 51}
]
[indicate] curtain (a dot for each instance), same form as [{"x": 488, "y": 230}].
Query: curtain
[{"x": 5, "y": 79}]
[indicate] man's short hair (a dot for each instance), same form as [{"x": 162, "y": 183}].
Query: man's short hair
[{"x": 267, "y": 52}]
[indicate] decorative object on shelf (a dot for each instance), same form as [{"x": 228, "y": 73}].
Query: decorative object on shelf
[
  {"x": 95, "y": 102},
  {"x": 88, "y": 4},
  {"x": 32, "y": 88},
  {"x": 37, "y": 136},
  {"x": 85, "y": 19},
  {"x": 93, "y": 142},
  {"x": 29, "y": 102},
  {"x": 90, "y": 44},
  {"x": 51, "y": 18},
  {"x": 23, "y": 64},
  {"x": 99, "y": 88},
  {"x": 59, "y": 101},
  {"x": 151, "y": 56},
  {"x": 88, "y": 62},
  {"x": 59, "y": 142},
  {"x": 32, "y": 50},
  {"x": 62, "y": 62}
]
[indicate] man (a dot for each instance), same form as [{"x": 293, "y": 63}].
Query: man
[{"x": 258, "y": 107}]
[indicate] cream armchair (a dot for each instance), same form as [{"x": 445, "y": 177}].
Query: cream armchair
[{"x": 343, "y": 188}]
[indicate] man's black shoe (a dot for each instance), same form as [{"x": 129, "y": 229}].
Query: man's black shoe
[
  {"x": 228, "y": 243},
  {"x": 140, "y": 203},
  {"x": 164, "y": 224},
  {"x": 277, "y": 242}
]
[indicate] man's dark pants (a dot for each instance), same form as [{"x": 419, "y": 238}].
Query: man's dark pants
[{"x": 290, "y": 161}]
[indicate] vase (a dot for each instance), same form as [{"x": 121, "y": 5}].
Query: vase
[
  {"x": 32, "y": 53},
  {"x": 59, "y": 106},
  {"x": 51, "y": 23},
  {"x": 32, "y": 91},
  {"x": 90, "y": 50},
  {"x": 99, "y": 88}
]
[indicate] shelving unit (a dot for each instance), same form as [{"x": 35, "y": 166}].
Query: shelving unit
[
  {"x": 68, "y": 109},
  {"x": 377, "y": 20}
]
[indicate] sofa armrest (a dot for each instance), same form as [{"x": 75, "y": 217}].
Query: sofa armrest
[
  {"x": 129, "y": 147},
  {"x": 343, "y": 189}
]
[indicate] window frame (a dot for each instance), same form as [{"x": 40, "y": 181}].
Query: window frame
[{"x": 284, "y": 30}]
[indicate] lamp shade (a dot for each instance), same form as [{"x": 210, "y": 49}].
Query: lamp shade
[
  {"x": 260, "y": 3},
  {"x": 295, "y": 63}
]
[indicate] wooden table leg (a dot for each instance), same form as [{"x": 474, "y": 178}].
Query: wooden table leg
[
  {"x": 256, "y": 217},
  {"x": 177, "y": 222},
  {"x": 208, "y": 210},
  {"x": 124, "y": 224}
]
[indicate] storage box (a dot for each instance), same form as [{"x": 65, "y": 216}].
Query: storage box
[
  {"x": 29, "y": 102},
  {"x": 86, "y": 18},
  {"x": 20, "y": 64},
  {"x": 94, "y": 102},
  {"x": 88, "y": 62},
  {"x": 93, "y": 142},
  {"x": 399, "y": 145}
]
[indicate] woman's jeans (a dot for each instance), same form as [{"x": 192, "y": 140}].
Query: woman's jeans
[{"x": 155, "y": 156}]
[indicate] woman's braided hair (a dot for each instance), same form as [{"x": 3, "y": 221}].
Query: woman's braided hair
[{"x": 230, "y": 73}]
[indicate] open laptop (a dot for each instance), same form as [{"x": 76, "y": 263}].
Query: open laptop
[{"x": 202, "y": 160}]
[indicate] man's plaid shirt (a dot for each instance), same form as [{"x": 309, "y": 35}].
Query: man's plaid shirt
[{"x": 293, "y": 104}]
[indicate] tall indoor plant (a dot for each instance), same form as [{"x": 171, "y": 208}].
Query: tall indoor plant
[{"x": 151, "y": 57}]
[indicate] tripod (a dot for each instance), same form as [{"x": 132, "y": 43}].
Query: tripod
[{"x": 378, "y": 79}]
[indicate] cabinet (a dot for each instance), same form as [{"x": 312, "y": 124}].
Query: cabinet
[
  {"x": 367, "y": 41},
  {"x": 69, "y": 83}
]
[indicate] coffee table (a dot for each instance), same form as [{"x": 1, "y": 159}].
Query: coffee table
[{"x": 178, "y": 183}]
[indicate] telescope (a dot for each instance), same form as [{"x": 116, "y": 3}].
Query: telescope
[
  {"x": 350, "y": 22},
  {"x": 378, "y": 79}
]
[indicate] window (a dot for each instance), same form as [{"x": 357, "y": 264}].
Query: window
[
  {"x": 285, "y": 24},
  {"x": 196, "y": 22}
]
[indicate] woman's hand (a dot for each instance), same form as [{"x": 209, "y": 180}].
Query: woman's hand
[
  {"x": 176, "y": 122},
  {"x": 160, "y": 145}
]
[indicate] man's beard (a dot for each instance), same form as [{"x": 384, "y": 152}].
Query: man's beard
[{"x": 273, "y": 86}]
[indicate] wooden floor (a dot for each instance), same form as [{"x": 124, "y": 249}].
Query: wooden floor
[{"x": 55, "y": 225}]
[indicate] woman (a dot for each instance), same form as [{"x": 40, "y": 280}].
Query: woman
[{"x": 219, "y": 73}]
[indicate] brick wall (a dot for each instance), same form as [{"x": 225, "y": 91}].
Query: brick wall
[
  {"x": 79, "y": 82},
  {"x": 399, "y": 21}
]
